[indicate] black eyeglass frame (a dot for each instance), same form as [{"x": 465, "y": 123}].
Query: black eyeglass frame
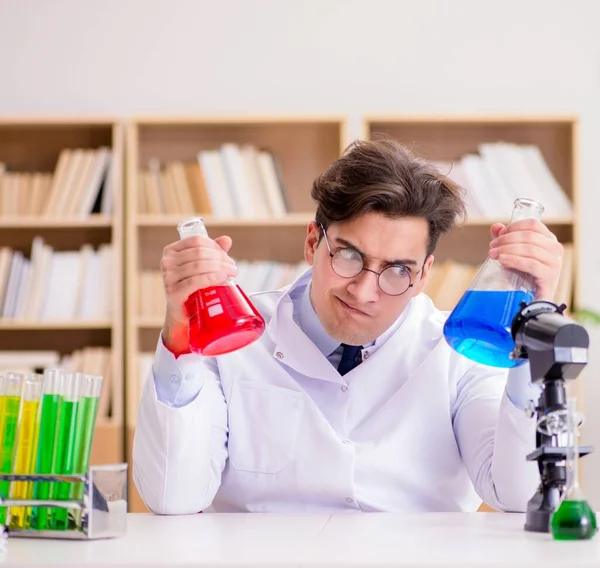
[{"x": 363, "y": 268}]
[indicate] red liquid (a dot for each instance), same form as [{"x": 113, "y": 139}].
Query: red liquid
[{"x": 222, "y": 319}]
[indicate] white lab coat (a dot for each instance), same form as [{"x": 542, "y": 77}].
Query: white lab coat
[{"x": 275, "y": 427}]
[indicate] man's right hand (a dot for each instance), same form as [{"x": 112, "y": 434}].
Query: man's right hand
[{"x": 186, "y": 266}]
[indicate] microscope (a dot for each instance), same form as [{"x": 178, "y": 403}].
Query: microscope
[{"x": 556, "y": 348}]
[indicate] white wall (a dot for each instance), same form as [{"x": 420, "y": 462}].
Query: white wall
[
  {"x": 341, "y": 56},
  {"x": 349, "y": 57}
]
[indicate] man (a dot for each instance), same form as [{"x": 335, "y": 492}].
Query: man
[{"x": 351, "y": 400}]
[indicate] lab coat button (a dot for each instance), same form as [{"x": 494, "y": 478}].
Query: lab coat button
[
  {"x": 366, "y": 355},
  {"x": 175, "y": 378},
  {"x": 279, "y": 355},
  {"x": 189, "y": 376},
  {"x": 344, "y": 388},
  {"x": 345, "y": 441},
  {"x": 349, "y": 500}
]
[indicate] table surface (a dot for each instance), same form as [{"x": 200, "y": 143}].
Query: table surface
[{"x": 315, "y": 540}]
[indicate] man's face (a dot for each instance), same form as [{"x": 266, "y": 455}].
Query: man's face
[{"x": 355, "y": 310}]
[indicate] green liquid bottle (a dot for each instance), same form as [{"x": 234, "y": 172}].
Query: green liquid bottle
[
  {"x": 84, "y": 433},
  {"x": 25, "y": 451},
  {"x": 64, "y": 456},
  {"x": 10, "y": 397},
  {"x": 574, "y": 519},
  {"x": 47, "y": 444}
]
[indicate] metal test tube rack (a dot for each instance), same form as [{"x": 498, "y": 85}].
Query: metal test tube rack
[{"x": 103, "y": 507}]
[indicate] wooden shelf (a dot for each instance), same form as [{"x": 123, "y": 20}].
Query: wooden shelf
[
  {"x": 40, "y": 223},
  {"x": 33, "y": 144},
  {"x": 293, "y": 219},
  {"x": 56, "y": 325}
]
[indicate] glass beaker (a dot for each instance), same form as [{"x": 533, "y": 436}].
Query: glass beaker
[
  {"x": 479, "y": 325},
  {"x": 221, "y": 318},
  {"x": 574, "y": 519}
]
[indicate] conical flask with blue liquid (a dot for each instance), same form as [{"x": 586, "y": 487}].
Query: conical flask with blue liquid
[{"x": 479, "y": 325}]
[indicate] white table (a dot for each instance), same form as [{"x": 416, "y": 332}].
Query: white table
[{"x": 356, "y": 540}]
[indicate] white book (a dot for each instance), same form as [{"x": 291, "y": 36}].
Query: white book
[
  {"x": 65, "y": 274},
  {"x": 271, "y": 185},
  {"x": 235, "y": 174},
  {"x": 503, "y": 185},
  {"x": 215, "y": 180},
  {"x": 517, "y": 167},
  {"x": 91, "y": 288},
  {"x": 478, "y": 182},
  {"x": 40, "y": 289},
  {"x": 553, "y": 192},
  {"x": 24, "y": 311},
  {"x": 86, "y": 253},
  {"x": 253, "y": 177},
  {"x": 105, "y": 252},
  {"x": 23, "y": 289},
  {"x": 14, "y": 278}
]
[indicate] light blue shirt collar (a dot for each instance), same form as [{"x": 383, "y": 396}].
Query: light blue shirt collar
[{"x": 311, "y": 325}]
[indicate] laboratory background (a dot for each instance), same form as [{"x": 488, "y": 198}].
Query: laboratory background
[{"x": 120, "y": 118}]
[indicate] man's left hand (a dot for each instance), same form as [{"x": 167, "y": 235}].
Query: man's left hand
[{"x": 530, "y": 247}]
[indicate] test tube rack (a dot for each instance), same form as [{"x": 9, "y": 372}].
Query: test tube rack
[{"x": 103, "y": 506}]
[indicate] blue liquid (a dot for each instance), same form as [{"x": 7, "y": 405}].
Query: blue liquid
[{"x": 479, "y": 326}]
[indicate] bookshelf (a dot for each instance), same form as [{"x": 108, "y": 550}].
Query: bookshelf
[
  {"x": 448, "y": 139},
  {"x": 300, "y": 148},
  {"x": 30, "y": 151}
]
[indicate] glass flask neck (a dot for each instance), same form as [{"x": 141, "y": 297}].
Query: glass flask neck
[
  {"x": 572, "y": 458},
  {"x": 192, "y": 227},
  {"x": 526, "y": 208}
]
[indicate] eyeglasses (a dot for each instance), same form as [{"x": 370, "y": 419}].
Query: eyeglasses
[{"x": 393, "y": 280}]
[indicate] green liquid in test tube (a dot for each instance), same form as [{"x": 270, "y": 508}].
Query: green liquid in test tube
[
  {"x": 64, "y": 462},
  {"x": 26, "y": 446},
  {"x": 47, "y": 441},
  {"x": 10, "y": 399},
  {"x": 84, "y": 432}
]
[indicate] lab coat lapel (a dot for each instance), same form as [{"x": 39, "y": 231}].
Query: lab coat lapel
[{"x": 294, "y": 349}]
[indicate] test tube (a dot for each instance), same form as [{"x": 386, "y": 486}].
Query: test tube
[
  {"x": 84, "y": 432},
  {"x": 10, "y": 398},
  {"x": 64, "y": 455},
  {"x": 48, "y": 434},
  {"x": 26, "y": 444}
]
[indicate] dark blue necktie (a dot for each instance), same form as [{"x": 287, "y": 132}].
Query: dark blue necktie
[{"x": 350, "y": 358}]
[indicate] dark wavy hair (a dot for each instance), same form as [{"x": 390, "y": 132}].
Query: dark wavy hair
[{"x": 384, "y": 176}]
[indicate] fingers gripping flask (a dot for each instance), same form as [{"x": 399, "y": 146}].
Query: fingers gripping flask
[
  {"x": 221, "y": 318},
  {"x": 479, "y": 325}
]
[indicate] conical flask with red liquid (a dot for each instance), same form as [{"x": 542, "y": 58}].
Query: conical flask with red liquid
[
  {"x": 221, "y": 318},
  {"x": 479, "y": 326}
]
